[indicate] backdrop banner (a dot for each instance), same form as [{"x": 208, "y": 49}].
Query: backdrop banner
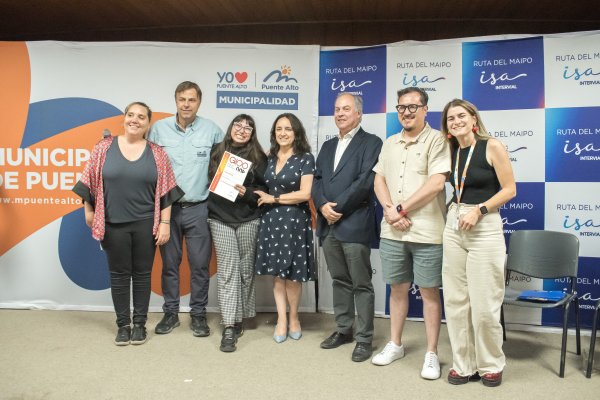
[
  {"x": 57, "y": 100},
  {"x": 537, "y": 94}
]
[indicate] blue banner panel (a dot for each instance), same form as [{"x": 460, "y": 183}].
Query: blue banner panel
[
  {"x": 357, "y": 71},
  {"x": 525, "y": 211},
  {"x": 573, "y": 144},
  {"x": 504, "y": 74}
]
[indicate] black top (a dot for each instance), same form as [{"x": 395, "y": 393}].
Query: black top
[
  {"x": 245, "y": 208},
  {"x": 481, "y": 182},
  {"x": 129, "y": 186}
]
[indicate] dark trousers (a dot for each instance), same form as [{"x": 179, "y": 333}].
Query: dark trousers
[
  {"x": 189, "y": 223},
  {"x": 350, "y": 267},
  {"x": 130, "y": 252}
]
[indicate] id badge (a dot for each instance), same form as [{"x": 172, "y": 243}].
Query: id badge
[{"x": 455, "y": 224}]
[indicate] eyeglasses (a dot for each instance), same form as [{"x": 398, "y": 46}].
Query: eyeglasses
[
  {"x": 247, "y": 129},
  {"x": 412, "y": 108}
]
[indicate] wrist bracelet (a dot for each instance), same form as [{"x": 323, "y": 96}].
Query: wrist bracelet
[
  {"x": 165, "y": 221},
  {"x": 403, "y": 213}
]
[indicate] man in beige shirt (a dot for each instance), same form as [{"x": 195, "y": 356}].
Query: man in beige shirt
[{"x": 409, "y": 184}]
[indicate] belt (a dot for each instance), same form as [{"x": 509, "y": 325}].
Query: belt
[{"x": 186, "y": 204}]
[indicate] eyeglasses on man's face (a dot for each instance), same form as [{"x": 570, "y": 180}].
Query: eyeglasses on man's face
[
  {"x": 247, "y": 129},
  {"x": 412, "y": 108}
]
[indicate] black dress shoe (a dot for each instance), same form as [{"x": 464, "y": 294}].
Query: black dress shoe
[
  {"x": 336, "y": 340},
  {"x": 199, "y": 326},
  {"x": 362, "y": 352},
  {"x": 169, "y": 322}
]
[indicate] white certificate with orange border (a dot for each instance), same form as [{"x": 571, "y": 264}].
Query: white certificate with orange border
[{"x": 232, "y": 171}]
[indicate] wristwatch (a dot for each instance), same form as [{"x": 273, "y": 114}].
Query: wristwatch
[
  {"x": 401, "y": 211},
  {"x": 483, "y": 209},
  {"x": 276, "y": 198}
]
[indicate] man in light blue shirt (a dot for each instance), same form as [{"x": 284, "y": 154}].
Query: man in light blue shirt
[{"x": 187, "y": 139}]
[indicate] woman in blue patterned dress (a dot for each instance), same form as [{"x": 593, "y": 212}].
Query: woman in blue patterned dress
[{"x": 285, "y": 239}]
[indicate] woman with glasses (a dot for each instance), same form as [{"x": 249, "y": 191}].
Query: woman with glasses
[
  {"x": 285, "y": 243},
  {"x": 474, "y": 247},
  {"x": 234, "y": 226}
]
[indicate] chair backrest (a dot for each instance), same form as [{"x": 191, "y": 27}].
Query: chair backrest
[{"x": 543, "y": 254}]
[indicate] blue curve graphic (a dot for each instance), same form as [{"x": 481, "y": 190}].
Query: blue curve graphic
[
  {"x": 50, "y": 117},
  {"x": 80, "y": 255}
]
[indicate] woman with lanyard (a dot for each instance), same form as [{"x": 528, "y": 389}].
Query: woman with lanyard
[{"x": 474, "y": 247}]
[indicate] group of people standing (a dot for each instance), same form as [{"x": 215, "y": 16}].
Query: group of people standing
[{"x": 149, "y": 187}]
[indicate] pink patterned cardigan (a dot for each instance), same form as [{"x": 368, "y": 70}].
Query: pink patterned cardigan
[{"x": 91, "y": 187}]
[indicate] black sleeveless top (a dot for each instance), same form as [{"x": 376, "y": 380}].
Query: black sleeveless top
[{"x": 481, "y": 182}]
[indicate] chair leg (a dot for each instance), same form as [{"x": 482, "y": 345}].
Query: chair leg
[
  {"x": 502, "y": 323},
  {"x": 577, "y": 329},
  {"x": 563, "y": 347},
  {"x": 588, "y": 372}
]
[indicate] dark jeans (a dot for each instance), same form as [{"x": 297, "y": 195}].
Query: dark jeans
[
  {"x": 189, "y": 223},
  {"x": 130, "y": 252}
]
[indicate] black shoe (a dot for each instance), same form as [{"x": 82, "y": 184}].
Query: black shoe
[
  {"x": 239, "y": 329},
  {"x": 362, "y": 352},
  {"x": 199, "y": 326},
  {"x": 228, "y": 340},
  {"x": 138, "y": 334},
  {"x": 336, "y": 340},
  {"x": 169, "y": 322},
  {"x": 123, "y": 336}
]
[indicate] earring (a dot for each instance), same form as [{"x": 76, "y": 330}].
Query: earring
[
  {"x": 449, "y": 136},
  {"x": 475, "y": 129}
]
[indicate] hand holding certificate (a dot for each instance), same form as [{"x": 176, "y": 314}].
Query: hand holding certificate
[{"x": 232, "y": 171}]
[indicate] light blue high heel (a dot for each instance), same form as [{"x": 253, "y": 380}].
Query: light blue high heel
[
  {"x": 279, "y": 338},
  {"x": 295, "y": 335}
]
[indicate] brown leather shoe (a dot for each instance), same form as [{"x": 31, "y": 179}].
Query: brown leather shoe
[
  {"x": 492, "y": 379},
  {"x": 455, "y": 379}
]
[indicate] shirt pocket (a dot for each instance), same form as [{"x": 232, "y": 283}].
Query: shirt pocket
[
  {"x": 420, "y": 164},
  {"x": 200, "y": 151},
  {"x": 171, "y": 147}
]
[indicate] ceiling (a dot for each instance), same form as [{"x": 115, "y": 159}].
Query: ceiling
[{"x": 329, "y": 22}]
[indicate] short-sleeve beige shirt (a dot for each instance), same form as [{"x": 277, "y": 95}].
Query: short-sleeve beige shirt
[{"x": 406, "y": 166}]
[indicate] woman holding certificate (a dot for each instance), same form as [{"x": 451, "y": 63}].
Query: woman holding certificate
[
  {"x": 285, "y": 243},
  {"x": 474, "y": 248},
  {"x": 234, "y": 226}
]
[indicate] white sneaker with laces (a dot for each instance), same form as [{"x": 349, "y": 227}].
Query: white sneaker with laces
[
  {"x": 431, "y": 366},
  {"x": 391, "y": 352}
]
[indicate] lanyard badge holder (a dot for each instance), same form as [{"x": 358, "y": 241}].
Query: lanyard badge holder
[{"x": 459, "y": 189}]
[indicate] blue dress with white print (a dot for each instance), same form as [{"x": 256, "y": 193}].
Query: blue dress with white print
[{"x": 285, "y": 238}]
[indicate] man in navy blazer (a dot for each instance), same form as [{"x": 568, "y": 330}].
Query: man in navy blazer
[{"x": 343, "y": 195}]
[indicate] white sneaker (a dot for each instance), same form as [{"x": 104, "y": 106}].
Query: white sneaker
[
  {"x": 391, "y": 352},
  {"x": 431, "y": 366}
]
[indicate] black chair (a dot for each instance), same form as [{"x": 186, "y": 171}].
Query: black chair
[
  {"x": 545, "y": 255},
  {"x": 588, "y": 372}
]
